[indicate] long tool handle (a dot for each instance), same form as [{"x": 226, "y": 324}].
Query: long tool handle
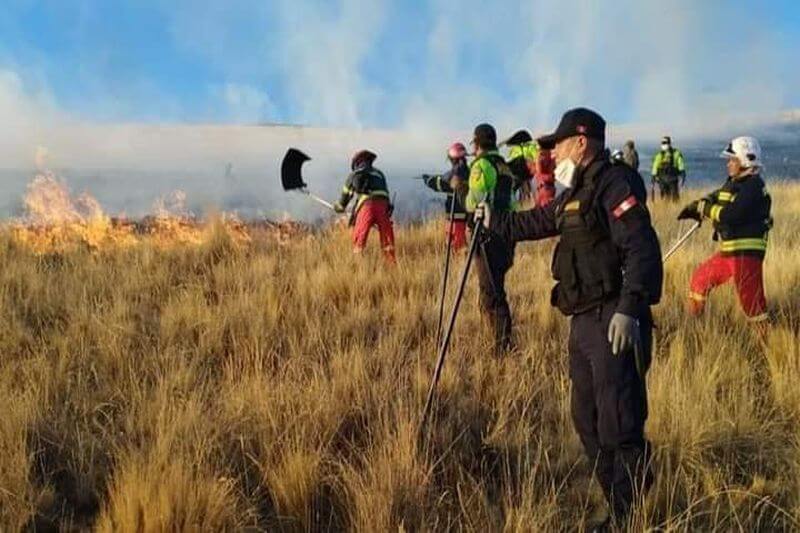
[
  {"x": 682, "y": 240},
  {"x": 448, "y": 333},
  {"x": 317, "y": 199},
  {"x": 446, "y": 272}
]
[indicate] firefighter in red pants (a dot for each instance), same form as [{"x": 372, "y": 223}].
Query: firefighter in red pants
[
  {"x": 740, "y": 213},
  {"x": 373, "y": 206},
  {"x": 454, "y": 183}
]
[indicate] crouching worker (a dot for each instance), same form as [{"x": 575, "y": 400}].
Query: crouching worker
[
  {"x": 373, "y": 206},
  {"x": 607, "y": 267},
  {"x": 740, "y": 214},
  {"x": 454, "y": 183}
]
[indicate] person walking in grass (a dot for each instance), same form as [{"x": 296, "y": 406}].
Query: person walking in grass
[
  {"x": 669, "y": 170},
  {"x": 608, "y": 269},
  {"x": 739, "y": 212},
  {"x": 491, "y": 180},
  {"x": 454, "y": 184},
  {"x": 373, "y": 206}
]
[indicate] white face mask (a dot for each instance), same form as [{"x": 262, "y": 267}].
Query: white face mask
[
  {"x": 664, "y": 147},
  {"x": 565, "y": 172}
]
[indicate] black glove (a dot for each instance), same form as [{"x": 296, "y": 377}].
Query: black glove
[
  {"x": 691, "y": 212},
  {"x": 339, "y": 208}
]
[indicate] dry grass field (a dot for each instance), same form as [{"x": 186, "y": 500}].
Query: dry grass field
[{"x": 277, "y": 386}]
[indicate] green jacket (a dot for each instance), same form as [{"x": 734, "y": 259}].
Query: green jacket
[
  {"x": 668, "y": 164},
  {"x": 490, "y": 180},
  {"x": 529, "y": 150}
]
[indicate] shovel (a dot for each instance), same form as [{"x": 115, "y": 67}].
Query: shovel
[{"x": 292, "y": 175}]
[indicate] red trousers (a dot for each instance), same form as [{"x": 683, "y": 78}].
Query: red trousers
[
  {"x": 747, "y": 276},
  {"x": 545, "y": 190},
  {"x": 457, "y": 233},
  {"x": 374, "y": 212}
]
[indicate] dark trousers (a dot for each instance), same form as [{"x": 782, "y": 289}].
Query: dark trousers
[
  {"x": 493, "y": 261},
  {"x": 609, "y": 405},
  {"x": 670, "y": 188}
]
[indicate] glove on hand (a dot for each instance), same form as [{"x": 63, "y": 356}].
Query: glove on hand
[
  {"x": 693, "y": 211},
  {"x": 623, "y": 333},
  {"x": 339, "y": 208},
  {"x": 483, "y": 211}
]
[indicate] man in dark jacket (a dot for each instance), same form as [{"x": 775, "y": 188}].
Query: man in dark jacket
[
  {"x": 454, "y": 183},
  {"x": 740, "y": 213},
  {"x": 373, "y": 207},
  {"x": 608, "y": 270}
]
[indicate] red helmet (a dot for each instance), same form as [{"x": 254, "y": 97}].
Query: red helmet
[
  {"x": 362, "y": 158},
  {"x": 457, "y": 151}
]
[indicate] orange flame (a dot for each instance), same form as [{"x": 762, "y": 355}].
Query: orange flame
[{"x": 57, "y": 222}]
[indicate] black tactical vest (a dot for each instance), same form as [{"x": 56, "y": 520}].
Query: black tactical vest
[
  {"x": 503, "y": 190},
  {"x": 586, "y": 264},
  {"x": 668, "y": 166}
]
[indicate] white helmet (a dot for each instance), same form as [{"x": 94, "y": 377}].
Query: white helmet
[{"x": 746, "y": 149}]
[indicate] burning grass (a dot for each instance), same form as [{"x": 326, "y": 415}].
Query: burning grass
[
  {"x": 55, "y": 222},
  {"x": 277, "y": 385}
]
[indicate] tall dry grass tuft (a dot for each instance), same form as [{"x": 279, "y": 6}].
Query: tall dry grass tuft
[{"x": 277, "y": 385}]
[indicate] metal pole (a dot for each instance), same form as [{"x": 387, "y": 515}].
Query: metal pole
[
  {"x": 317, "y": 199},
  {"x": 451, "y": 323},
  {"x": 446, "y": 273},
  {"x": 680, "y": 241}
]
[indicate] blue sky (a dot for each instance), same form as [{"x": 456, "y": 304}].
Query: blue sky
[{"x": 391, "y": 63}]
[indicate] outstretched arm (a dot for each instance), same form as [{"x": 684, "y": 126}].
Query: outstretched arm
[
  {"x": 346, "y": 196},
  {"x": 534, "y": 224}
]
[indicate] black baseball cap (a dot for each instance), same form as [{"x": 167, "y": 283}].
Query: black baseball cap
[{"x": 578, "y": 121}]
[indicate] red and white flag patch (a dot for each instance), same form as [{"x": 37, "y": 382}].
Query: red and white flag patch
[{"x": 625, "y": 205}]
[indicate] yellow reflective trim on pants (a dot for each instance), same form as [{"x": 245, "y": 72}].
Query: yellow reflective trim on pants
[
  {"x": 697, "y": 297},
  {"x": 739, "y": 245},
  {"x": 763, "y": 317},
  {"x": 374, "y": 194}
]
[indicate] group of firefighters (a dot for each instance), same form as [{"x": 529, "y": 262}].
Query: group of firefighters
[{"x": 607, "y": 265}]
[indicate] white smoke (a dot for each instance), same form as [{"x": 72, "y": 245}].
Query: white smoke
[{"x": 687, "y": 68}]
